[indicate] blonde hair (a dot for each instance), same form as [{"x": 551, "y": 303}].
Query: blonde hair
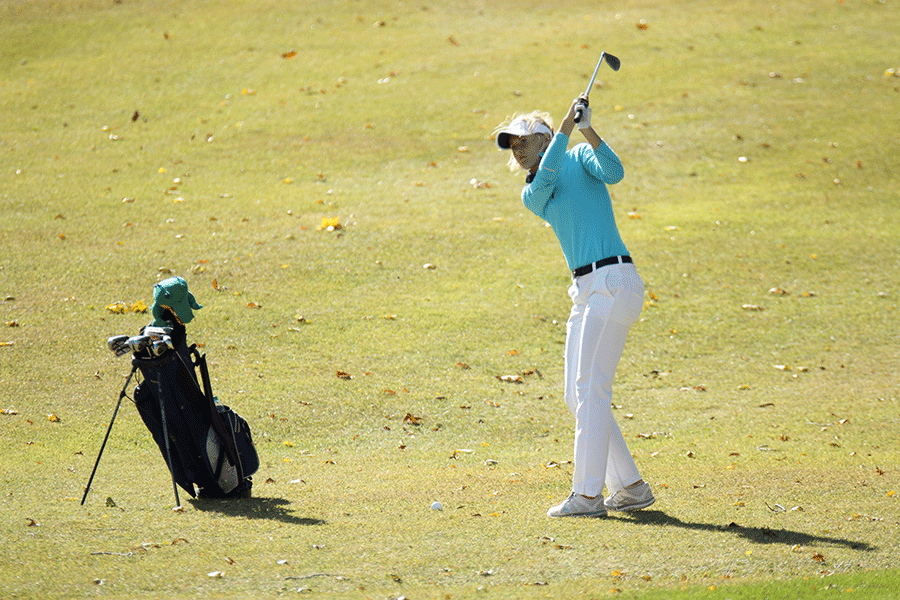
[{"x": 531, "y": 120}]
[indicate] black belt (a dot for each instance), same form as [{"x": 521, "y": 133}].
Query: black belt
[{"x": 612, "y": 260}]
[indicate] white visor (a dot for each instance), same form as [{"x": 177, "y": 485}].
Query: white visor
[{"x": 519, "y": 128}]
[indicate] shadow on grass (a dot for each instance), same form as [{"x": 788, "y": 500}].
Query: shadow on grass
[
  {"x": 758, "y": 535},
  {"x": 274, "y": 509}
]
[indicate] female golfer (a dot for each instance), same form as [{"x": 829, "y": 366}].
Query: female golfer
[{"x": 567, "y": 188}]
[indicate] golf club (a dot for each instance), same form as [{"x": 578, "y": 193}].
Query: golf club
[
  {"x": 156, "y": 342},
  {"x": 117, "y": 344},
  {"x": 138, "y": 342},
  {"x": 614, "y": 64},
  {"x": 158, "y": 333}
]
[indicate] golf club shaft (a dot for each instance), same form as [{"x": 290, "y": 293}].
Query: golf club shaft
[{"x": 594, "y": 76}]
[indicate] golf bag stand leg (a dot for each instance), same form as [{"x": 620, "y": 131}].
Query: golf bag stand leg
[
  {"x": 108, "y": 430},
  {"x": 165, "y": 431}
]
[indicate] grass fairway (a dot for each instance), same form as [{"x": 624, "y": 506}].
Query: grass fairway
[{"x": 210, "y": 139}]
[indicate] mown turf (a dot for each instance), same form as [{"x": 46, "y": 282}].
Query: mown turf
[{"x": 145, "y": 139}]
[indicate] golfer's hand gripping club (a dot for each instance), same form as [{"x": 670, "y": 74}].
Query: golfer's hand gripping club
[
  {"x": 582, "y": 112},
  {"x": 583, "y": 115}
]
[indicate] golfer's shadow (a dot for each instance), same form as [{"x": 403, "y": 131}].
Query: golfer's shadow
[
  {"x": 274, "y": 509},
  {"x": 758, "y": 535}
]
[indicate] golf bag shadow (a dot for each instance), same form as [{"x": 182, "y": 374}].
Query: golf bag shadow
[{"x": 209, "y": 446}]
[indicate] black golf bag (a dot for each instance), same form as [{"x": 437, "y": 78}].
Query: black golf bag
[{"x": 208, "y": 446}]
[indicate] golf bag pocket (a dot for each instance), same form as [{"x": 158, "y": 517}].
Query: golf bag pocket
[
  {"x": 231, "y": 477},
  {"x": 225, "y": 473}
]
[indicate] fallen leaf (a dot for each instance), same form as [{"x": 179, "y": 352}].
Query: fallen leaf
[
  {"x": 117, "y": 308},
  {"x": 344, "y": 375},
  {"x": 329, "y": 224}
]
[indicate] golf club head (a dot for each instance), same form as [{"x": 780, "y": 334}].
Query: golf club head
[
  {"x": 160, "y": 337},
  {"x": 613, "y": 61},
  {"x": 157, "y": 332},
  {"x": 138, "y": 342},
  {"x": 118, "y": 344}
]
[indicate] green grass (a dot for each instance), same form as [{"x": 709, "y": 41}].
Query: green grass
[{"x": 768, "y": 435}]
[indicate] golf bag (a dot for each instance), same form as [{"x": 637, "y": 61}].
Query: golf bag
[{"x": 209, "y": 446}]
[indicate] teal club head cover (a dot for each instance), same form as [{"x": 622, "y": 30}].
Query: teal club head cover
[{"x": 173, "y": 294}]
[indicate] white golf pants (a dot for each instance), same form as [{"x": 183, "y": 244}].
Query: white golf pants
[{"x": 605, "y": 303}]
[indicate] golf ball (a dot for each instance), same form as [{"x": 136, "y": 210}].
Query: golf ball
[{"x": 436, "y": 506}]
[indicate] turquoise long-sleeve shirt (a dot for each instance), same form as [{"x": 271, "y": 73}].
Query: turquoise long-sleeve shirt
[{"x": 569, "y": 192}]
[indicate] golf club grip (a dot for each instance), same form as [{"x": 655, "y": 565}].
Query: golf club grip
[{"x": 578, "y": 112}]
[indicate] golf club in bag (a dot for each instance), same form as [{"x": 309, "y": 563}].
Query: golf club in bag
[{"x": 208, "y": 447}]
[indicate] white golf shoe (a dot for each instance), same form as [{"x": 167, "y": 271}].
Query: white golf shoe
[
  {"x": 629, "y": 499},
  {"x": 577, "y": 505}
]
